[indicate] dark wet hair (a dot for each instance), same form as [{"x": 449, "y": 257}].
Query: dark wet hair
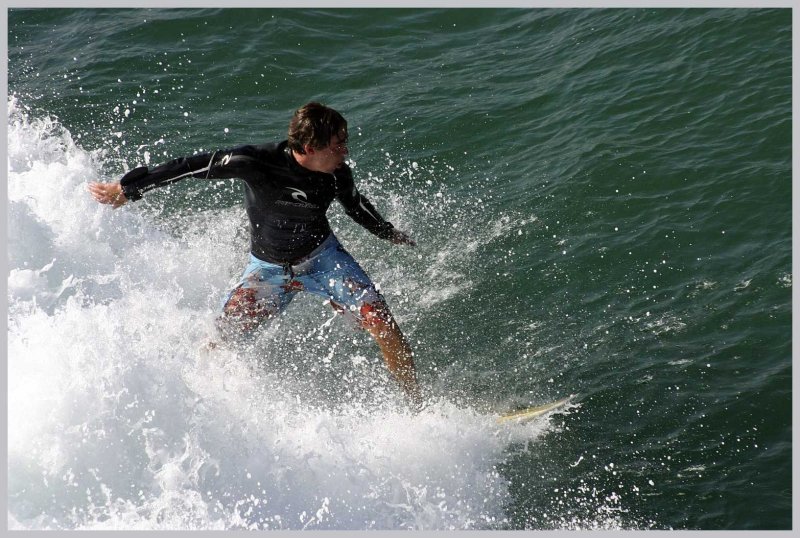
[{"x": 314, "y": 124}]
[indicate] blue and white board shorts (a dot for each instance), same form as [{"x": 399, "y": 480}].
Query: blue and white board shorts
[{"x": 266, "y": 289}]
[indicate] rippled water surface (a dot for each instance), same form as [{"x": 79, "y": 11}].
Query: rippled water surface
[{"x": 602, "y": 205}]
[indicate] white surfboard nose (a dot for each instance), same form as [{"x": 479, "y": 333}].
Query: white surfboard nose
[{"x": 533, "y": 412}]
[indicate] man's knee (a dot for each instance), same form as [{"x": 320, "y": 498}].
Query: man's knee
[
  {"x": 243, "y": 311},
  {"x": 375, "y": 315}
]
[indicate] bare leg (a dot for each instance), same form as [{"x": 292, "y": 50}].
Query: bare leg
[{"x": 395, "y": 348}]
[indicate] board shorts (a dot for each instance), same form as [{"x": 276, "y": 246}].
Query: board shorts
[{"x": 330, "y": 272}]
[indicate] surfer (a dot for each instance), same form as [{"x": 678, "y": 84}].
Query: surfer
[{"x": 288, "y": 187}]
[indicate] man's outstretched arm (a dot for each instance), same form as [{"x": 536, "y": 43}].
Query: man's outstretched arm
[{"x": 237, "y": 162}]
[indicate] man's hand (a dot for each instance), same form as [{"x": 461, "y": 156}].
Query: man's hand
[
  {"x": 108, "y": 193},
  {"x": 401, "y": 238}
]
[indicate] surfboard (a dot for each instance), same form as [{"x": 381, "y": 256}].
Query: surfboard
[{"x": 523, "y": 415}]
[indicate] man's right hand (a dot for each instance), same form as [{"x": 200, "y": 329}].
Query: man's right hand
[{"x": 108, "y": 193}]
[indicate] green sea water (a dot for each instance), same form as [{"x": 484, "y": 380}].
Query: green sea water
[{"x": 602, "y": 205}]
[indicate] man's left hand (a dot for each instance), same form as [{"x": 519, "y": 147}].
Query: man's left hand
[{"x": 399, "y": 237}]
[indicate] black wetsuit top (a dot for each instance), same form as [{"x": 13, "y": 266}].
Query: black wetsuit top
[{"x": 285, "y": 202}]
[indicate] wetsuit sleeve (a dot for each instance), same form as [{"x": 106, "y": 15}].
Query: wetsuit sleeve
[
  {"x": 358, "y": 207},
  {"x": 240, "y": 162}
]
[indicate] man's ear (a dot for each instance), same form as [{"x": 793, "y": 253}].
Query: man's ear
[{"x": 309, "y": 150}]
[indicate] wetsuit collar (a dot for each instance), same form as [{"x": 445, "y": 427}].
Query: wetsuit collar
[
  {"x": 290, "y": 160},
  {"x": 295, "y": 166}
]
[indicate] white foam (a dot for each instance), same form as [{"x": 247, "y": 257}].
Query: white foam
[{"x": 117, "y": 419}]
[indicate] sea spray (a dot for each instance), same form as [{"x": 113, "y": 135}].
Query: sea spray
[{"x": 119, "y": 417}]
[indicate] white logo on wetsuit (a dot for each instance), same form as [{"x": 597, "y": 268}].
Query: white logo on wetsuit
[{"x": 298, "y": 195}]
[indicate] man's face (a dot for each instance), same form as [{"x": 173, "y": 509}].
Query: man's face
[{"x": 332, "y": 156}]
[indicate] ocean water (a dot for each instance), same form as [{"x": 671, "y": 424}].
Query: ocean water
[{"x": 602, "y": 205}]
